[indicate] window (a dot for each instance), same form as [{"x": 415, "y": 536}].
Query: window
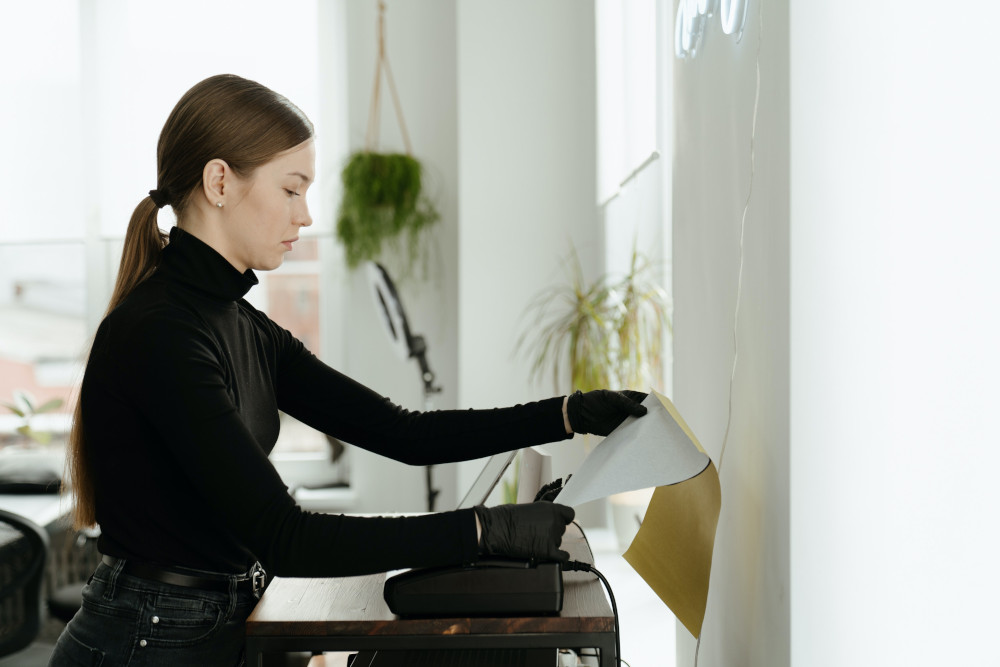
[
  {"x": 42, "y": 332},
  {"x": 82, "y": 114},
  {"x": 626, "y": 90},
  {"x": 633, "y": 179}
]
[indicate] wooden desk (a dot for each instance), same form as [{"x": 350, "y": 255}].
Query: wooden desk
[{"x": 343, "y": 614}]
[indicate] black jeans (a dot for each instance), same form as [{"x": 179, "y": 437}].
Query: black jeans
[{"x": 127, "y": 620}]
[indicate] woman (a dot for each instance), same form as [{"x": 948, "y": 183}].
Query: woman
[{"x": 179, "y": 409}]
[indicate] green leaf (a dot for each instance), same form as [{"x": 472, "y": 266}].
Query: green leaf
[
  {"x": 48, "y": 406},
  {"x": 13, "y": 408},
  {"x": 382, "y": 206},
  {"x": 605, "y": 334},
  {"x": 41, "y": 437},
  {"x": 26, "y": 399}
]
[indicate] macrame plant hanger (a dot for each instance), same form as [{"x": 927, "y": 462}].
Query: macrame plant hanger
[{"x": 382, "y": 64}]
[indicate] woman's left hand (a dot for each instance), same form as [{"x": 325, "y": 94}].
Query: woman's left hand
[{"x": 601, "y": 411}]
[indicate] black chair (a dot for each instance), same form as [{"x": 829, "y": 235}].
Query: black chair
[
  {"x": 24, "y": 549},
  {"x": 75, "y": 558}
]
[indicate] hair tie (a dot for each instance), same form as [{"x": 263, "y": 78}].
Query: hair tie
[{"x": 160, "y": 197}]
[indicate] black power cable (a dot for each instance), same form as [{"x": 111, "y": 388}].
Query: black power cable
[{"x": 577, "y": 566}]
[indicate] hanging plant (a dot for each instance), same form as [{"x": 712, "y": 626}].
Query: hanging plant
[{"x": 383, "y": 200}]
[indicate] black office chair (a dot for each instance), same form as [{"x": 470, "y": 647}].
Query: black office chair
[{"x": 24, "y": 549}]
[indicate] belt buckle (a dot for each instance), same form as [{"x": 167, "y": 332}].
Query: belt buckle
[{"x": 258, "y": 580}]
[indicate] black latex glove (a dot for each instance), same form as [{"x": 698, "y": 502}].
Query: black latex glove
[
  {"x": 551, "y": 490},
  {"x": 601, "y": 411},
  {"x": 532, "y": 530}
]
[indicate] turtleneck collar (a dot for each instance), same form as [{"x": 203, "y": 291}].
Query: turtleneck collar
[{"x": 191, "y": 261}]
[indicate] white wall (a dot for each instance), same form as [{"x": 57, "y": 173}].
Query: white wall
[
  {"x": 499, "y": 100},
  {"x": 527, "y": 184},
  {"x": 859, "y": 485},
  {"x": 894, "y": 330},
  {"x": 747, "y": 622},
  {"x": 421, "y": 46}
]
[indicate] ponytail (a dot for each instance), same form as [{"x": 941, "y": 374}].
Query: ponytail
[
  {"x": 84, "y": 508},
  {"x": 143, "y": 242}
]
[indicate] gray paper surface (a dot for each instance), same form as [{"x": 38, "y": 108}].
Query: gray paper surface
[{"x": 653, "y": 450}]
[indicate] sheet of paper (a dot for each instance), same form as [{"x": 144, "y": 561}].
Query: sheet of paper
[
  {"x": 657, "y": 449},
  {"x": 534, "y": 471},
  {"x": 673, "y": 549}
]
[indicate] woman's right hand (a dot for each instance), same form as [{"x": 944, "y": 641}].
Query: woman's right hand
[
  {"x": 531, "y": 530},
  {"x": 601, "y": 411}
]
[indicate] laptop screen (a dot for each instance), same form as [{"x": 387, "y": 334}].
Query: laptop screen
[{"x": 487, "y": 480}]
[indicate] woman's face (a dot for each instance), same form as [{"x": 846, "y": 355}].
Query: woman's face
[{"x": 267, "y": 211}]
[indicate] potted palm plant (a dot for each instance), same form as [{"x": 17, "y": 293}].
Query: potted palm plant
[
  {"x": 605, "y": 334},
  {"x": 30, "y": 466},
  {"x": 608, "y": 333},
  {"x": 26, "y": 408}
]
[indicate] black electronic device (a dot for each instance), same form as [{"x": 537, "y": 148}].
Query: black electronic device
[
  {"x": 490, "y": 587},
  {"x": 493, "y": 586}
]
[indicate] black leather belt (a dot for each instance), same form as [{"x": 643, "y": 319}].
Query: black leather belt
[{"x": 255, "y": 579}]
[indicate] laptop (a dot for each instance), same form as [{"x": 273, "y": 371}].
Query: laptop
[
  {"x": 493, "y": 586},
  {"x": 487, "y": 480}
]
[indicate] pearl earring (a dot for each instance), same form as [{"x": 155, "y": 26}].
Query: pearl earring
[{"x": 219, "y": 204}]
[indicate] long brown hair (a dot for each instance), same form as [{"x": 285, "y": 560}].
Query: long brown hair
[{"x": 225, "y": 117}]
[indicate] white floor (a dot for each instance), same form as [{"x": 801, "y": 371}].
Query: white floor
[{"x": 648, "y": 627}]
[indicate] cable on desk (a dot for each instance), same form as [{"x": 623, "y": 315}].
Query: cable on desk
[{"x": 577, "y": 566}]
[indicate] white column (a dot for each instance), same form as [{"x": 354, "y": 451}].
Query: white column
[{"x": 527, "y": 186}]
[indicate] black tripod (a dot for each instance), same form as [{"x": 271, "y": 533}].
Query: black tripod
[{"x": 415, "y": 348}]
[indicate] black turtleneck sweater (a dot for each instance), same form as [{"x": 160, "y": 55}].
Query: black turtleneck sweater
[{"x": 180, "y": 410}]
